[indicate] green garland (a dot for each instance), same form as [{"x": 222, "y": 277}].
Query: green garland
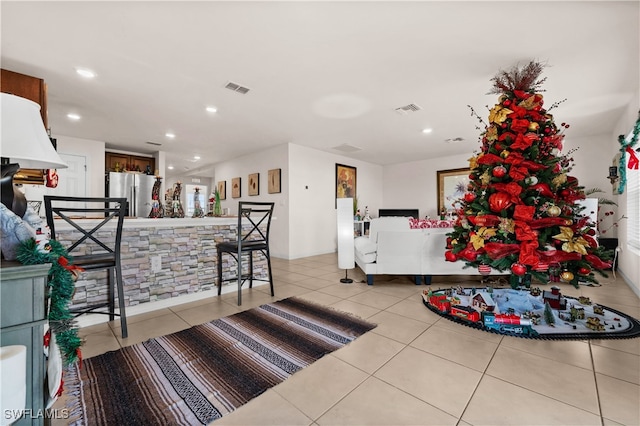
[
  {"x": 61, "y": 288},
  {"x": 622, "y": 167}
]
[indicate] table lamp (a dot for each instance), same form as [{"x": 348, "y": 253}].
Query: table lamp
[{"x": 25, "y": 144}]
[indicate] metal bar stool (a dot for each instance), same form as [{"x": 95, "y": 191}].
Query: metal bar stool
[
  {"x": 100, "y": 250},
  {"x": 258, "y": 216}
]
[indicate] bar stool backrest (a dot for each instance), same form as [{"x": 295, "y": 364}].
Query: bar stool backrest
[{"x": 70, "y": 209}]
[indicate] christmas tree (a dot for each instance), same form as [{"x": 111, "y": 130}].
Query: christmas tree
[{"x": 520, "y": 212}]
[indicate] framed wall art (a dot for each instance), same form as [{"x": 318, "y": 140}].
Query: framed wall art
[
  {"x": 452, "y": 184},
  {"x": 273, "y": 186},
  {"x": 236, "y": 188},
  {"x": 222, "y": 189},
  {"x": 254, "y": 184},
  {"x": 345, "y": 181}
]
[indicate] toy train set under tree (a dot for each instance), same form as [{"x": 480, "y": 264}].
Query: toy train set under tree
[{"x": 531, "y": 313}]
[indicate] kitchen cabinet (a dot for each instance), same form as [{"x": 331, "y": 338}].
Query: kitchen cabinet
[{"x": 132, "y": 162}]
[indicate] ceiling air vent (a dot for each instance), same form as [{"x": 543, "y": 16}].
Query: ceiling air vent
[
  {"x": 454, "y": 140},
  {"x": 154, "y": 143},
  {"x": 347, "y": 148},
  {"x": 407, "y": 109},
  {"x": 237, "y": 88}
]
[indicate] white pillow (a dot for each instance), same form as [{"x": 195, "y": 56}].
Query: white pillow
[{"x": 365, "y": 246}]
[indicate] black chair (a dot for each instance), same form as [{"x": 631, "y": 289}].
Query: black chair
[
  {"x": 96, "y": 248},
  {"x": 252, "y": 238}
]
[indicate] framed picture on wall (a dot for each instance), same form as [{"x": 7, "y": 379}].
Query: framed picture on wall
[
  {"x": 254, "y": 184},
  {"x": 236, "y": 189},
  {"x": 222, "y": 189},
  {"x": 452, "y": 184},
  {"x": 273, "y": 186},
  {"x": 345, "y": 181}
]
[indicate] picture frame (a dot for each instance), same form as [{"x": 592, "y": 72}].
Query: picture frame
[
  {"x": 236, "y": 187},
  {"x": 222, "y": 189},
  {"x": 346, "y": 181},
  {"x": 254, "y": 184},
  {"x": 452, "y": 184},
  {"x": 273, "y": 184}
]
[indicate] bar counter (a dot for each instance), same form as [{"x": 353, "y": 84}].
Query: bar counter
[{"x": 161, "y": 258}]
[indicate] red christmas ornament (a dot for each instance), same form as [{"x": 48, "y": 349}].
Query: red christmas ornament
[
  {"x": 499, "y": 171},
  {"x": 484, "y": 269},
  {"x": 584, "y": 271},
  {"x": 450, "y": 256},
  {"x": 518, "y": 269},
  {"x": 499, "y": 201},
  {"x": 469, "y": 197}
]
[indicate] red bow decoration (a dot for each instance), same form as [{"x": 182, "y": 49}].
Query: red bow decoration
[
  {"x": 633, "y": 159},
  {"x": 489, "y": 159},
  {"x": 75, "y": 270}
]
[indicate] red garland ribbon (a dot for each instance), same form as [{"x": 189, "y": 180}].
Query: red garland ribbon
[
  {"x": 499, "y": 250},
  {"x": 633, "y": 159}
]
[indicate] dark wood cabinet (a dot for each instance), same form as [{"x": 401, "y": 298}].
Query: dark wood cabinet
[{"x": 117, "y": 161}]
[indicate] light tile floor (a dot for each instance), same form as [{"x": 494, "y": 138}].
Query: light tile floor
[{"x": 417, "y": 368}]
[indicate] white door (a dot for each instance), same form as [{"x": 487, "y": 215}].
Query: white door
[{"x": 72, "y": 181}]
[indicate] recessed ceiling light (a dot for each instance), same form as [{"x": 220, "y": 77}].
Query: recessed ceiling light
[
  {"x": 212, "y": 109},
  {"x": 170, "y": 167},
  {"x": 427, "y": 130},
  {"x": 86, "y": 73},
  {"x": 170, "y": 135},
  {"x": 73, "y": 116},
  {"x": 196, "y": 157}
]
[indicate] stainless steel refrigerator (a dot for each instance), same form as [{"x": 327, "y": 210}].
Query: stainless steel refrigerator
[{"x": 136, "y": 188}]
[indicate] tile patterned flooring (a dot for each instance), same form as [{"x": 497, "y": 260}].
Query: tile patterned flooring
[{"x": 417, "y": 368}]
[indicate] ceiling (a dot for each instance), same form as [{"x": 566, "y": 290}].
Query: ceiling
[{"x": 321, "y": 74}]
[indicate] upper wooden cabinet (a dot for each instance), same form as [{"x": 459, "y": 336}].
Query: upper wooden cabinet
[
  {"x": 28, "y": 87},
  {"x": 117, "y": 161}
]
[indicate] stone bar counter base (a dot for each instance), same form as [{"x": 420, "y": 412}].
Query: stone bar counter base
[{"x": 188, "y": 259}]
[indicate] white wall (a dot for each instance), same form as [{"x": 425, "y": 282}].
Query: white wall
[
  {"x": 305, "y": 216},
  {"x": 414, "y": 184},
  {"x": 629, "y": 262},
  {"x": 312, "y": 191},
  {"x": 261, "y": 162},
  {"x": 591, "y": 167}
]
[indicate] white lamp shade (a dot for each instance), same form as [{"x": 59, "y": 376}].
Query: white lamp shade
[
  {"x": 24, "y": 138},
  {"x": 346, "y": 249}
]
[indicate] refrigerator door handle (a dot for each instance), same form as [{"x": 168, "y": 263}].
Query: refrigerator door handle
[{"x": 134, "y": 200}]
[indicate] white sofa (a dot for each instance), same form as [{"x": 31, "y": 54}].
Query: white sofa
[{"x": 393, "y": 248}]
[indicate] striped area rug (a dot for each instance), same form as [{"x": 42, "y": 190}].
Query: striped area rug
[{"x": 198, "y": 375}]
